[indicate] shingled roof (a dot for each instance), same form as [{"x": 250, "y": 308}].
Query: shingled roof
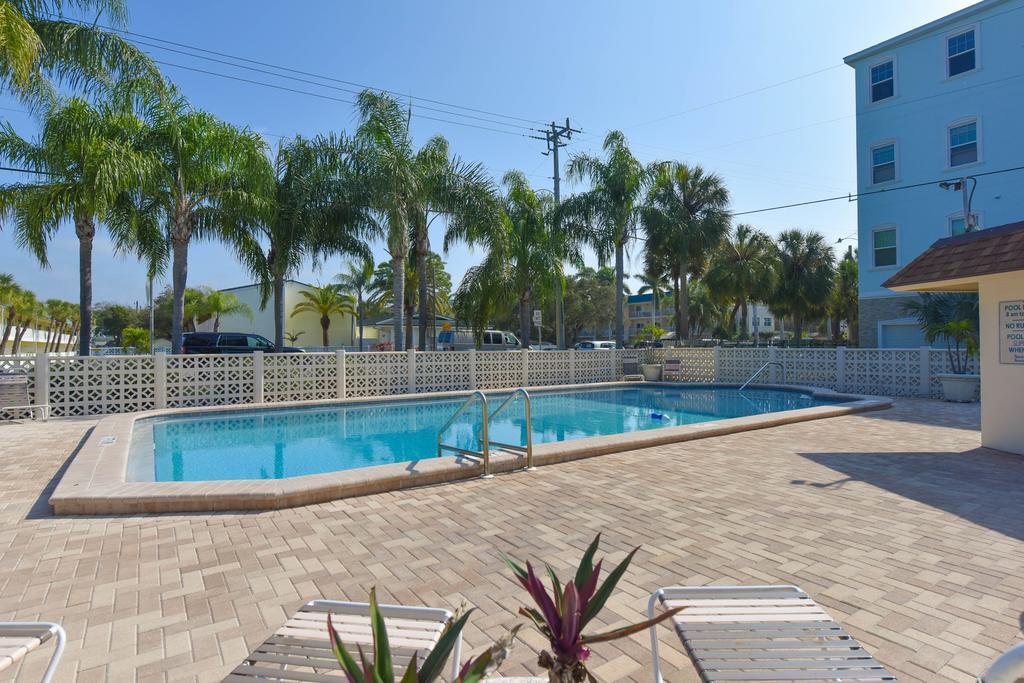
[{"x": 985, "y": 252}]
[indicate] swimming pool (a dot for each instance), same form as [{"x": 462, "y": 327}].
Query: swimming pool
[{"x": 280, "y": 443}]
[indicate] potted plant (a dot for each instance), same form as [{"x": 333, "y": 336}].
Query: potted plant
[
  {"x": 961, "y": 345},
  {"x": 952, "y": 317},
  {"x": 562, "y": 615},
  {"x": 653, "y": 334}
]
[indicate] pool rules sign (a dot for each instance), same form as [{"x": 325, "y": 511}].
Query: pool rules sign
[{"x": 1011, "y": 332}]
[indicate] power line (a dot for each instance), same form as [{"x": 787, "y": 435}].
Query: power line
[
  {"x": 324, "y": 85},
  {"x": 326, "y": 97},
  {"x": 302, "y": 72},
  {"x": 24, "y": 170},
  {"x": 734, "y": 97}
]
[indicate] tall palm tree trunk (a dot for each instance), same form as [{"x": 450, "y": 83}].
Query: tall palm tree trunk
[
  {"x": 524, "y": 318},
  {"x": 359, "y": 306},
  {"x": 398, "y": 300},
  {"x": 325, "y": 324},
  {"x": 85, "y": 229},
  {"x": 9, "y": 325},
  {"x": 19, "y": 334},
  {"x": 619, "y": 303},
  {"x": 409, "y": 311},
  {"x": 279, "y": 310},
  {"x": 422, "y": 250},
  {"x": 179, "y": 277},
  {"x": 798, "y": 328},
  {"x": 744, "y": 317},
  {"x": 684, "y": 302},
  {"x": 71, "y": 337}
]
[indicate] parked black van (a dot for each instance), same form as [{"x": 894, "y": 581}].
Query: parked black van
[{"x": 230, "y": 342}]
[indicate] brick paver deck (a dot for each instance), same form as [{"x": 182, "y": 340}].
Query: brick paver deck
[{"x": 897, "y": 522}]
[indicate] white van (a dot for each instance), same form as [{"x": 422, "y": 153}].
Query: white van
[{"x": 462, "y": 340}]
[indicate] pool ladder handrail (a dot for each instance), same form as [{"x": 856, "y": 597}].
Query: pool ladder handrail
[
  {"x": 761, "y": 369},
  {"x": 528, "y": 448},
  {"x": 483, "y": 454}
]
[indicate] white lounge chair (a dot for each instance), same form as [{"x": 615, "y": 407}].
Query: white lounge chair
[
  {"x": 18, "y": 638},
  {"x": 301, "y": 649},
  {"x": 672, "y": 368},
  {"x": 762, "y": 633},
  {"x": 14, "y": 396}
]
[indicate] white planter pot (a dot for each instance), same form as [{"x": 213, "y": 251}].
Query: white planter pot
[
  {"x": 651, "y": 371},
  {"x": 959, "y": 388}
]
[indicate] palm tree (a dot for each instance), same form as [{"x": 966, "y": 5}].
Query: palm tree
[
  {"x": 10, "y": 299},
  {"x": 843, "y": 302},
  {"x": 315, "y": 210},
  {"x": 325, "y": 301},
  {"x": 806, "y": 273},
  {"x": 86, "y": 157},
  {"x": 216, "y": 303},
  {"x": 743, "y": 269},
  {"x": 381, "y": 290},
  {"x": 524, "y": 256},
  {"x": 28, "y": 310},
  {"x": 607, "y": 213},
  {"x": 212, "y": 184},
  {"x": 706, "y": 314},
  {"x": 356, "y": 281},
  {"x": 410, "y": 189},
  {"x": 40, "y": 43},
  {"x": 685, "y": 217}
]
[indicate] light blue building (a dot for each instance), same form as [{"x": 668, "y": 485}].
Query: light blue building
[{"x": 939, "y": 103}]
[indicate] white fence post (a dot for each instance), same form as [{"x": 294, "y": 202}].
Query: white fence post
[
  {"x": 339, "y": 372},
  {"x": 526, "y": 367},
  {"x": 572, "y": 366},
  {"x": 41, "y": 395},
  {"x": 257, "y": 377},
  {"x": 159, "y": 380},
  {"x": 472, "y": 369},
  {"x": 718, "y": 363},
  {"x": 411, "y": 353},
  {"x": 925, "y": 387},
  {"x": 840, "y": 368},
  {"x": 773, "y": 370}
]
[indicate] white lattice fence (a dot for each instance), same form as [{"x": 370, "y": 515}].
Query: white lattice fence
[
  {"x": 208, "y": 380},
  {"x": 21, "y": 365},
  {"x": 499, "y": 369},
  {"x": 442, "y": 371},
  {"x": 300, "y": 376},
  {"x": 377, "y": 373},
  {"x": 885, "y": 372},
  {"x": 696, "y": 364},
  {"x": 737, "y": 365},
  {"x": 97, "y": 385},
  {"x": 549, "y": 367},
  {"x": 811, "y": 367}
]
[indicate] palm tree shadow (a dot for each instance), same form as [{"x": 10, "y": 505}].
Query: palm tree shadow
[{"x": 982, "y": 485}]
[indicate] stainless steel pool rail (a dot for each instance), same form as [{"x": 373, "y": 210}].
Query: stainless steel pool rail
[
  {"x": 528, "y": 448},
  {"x": 483, "y": 454},
  {"x": 761, "y": 369}
]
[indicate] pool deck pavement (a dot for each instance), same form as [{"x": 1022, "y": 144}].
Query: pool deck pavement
[{"x": 896, "y": 521}]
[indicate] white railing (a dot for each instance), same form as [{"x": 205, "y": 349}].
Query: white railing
[{"x": 98, "y": 385}]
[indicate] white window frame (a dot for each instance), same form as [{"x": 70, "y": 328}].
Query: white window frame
[
  {"x": 977, "y": 50},
  {"x": 895, "y": 85},
  {"x": 976, "y": 120},
  {"x": 957, "y": 215},
  {"x": 895, "y": 159},
  {"x": 881, "y": 228}
]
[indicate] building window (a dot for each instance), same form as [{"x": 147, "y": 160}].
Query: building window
[
  {"x": 957, "y": 225},
  {"x": 960, "y": 53},
  {"x": 963, "y": 144},
  {"x": 883, "y": 163},
  {"x": 884, "y": 243},
  {"x": 882, "y": 81},
  {"x": 767, "y": 322}
]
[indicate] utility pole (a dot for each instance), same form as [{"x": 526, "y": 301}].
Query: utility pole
[
  {"x": 553, "y": 137},
  {"x": 961, "y": 186}
]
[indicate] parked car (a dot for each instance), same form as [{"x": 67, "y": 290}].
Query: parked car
[
  {"x": 595, "y": 344},
  {"x": 230, "y": 342},
  {"x": 543, "y": 346},
  {"x": 463, "y": 340}
]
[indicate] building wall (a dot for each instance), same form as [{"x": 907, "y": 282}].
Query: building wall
[
  {"x": 305, "y": 324},
  {"x": 917, "y": 118},
  {"x": 1001, "y": 424},
  {"x": 883, "y": 319}
]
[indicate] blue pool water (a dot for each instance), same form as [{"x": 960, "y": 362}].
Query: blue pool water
[{"x": 287, "y": 442}]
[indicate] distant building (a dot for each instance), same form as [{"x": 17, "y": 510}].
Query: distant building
[
  {"x": 384, "y": 330},
  {"x": 640, "y": 312},
  {"x": 760, "y": 320},
  {"x": 940, "y": 102},
  {"x": 300, "y": 330}
]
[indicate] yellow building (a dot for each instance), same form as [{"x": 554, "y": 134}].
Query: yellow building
[{"x": 300, "y": 330}]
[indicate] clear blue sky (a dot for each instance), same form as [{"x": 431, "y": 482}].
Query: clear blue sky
[{"x": 605, "y": 64}]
